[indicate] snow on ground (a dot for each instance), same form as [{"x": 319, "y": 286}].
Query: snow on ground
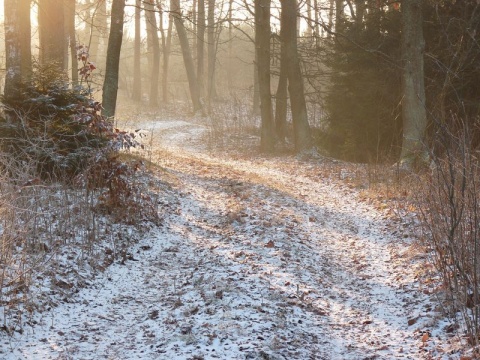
[{"x": 260, "y": 258}]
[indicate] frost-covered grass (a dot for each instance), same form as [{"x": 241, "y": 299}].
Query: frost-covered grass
[{"x": 55, "y": 238}]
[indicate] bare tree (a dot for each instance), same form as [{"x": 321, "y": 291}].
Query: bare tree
[
  {"x": 17, "y": 46},
  {"x": 413, "y": 84},
  {"x": 98, "y": 28},
  {"x": 187, "y": 54},
  {"x": 51, "y": 23},
  {"x": 262, "y": 44},
  {"x": 25, "y": 33},
  {"x": 72, "y": 41},
  {"x": 211, "y": 51},
  {"x": 301, "y": 128},
  {"x": 137, "y": 72},
  {"x": 281, "y": 97},
  {"x": 360, "y": 13},
  {"x": 110, "y": 85},
  {"x": 166, "y": 45},
  {"x": 201, "y": 46},
  {"x": 339, "y": 15},
  {"x": 154, "y": 46},
  {"x": 230, "y": 44}
]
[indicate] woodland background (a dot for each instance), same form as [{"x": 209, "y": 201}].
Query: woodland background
[{"x": 385, "y": 83}]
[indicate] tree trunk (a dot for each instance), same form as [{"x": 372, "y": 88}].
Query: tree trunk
[
  {"x": 97, "y": 30},
  {"x": 256, "y": 88},
  {"x": 166, "y": 45},
  {"x": 317, "y": 19},
  {"x": 330, "y": 18},
  {"x": 194, "y": 23},
  {"x": 230, "y": 45},
  {"x": 201, "y": 47},
  {"x": 262, "y": 44},
  {"x": 309, "y": 18},
  {"x": 360, "y": 13},
  {"x": 152, "y": 34},
  {"x": 413, "y": 83},
  {"x": 18, "y": 55},
  {"x": 51, "y": 23},
  {"x": 301, "y": 128},
  {"x": 339, "y": 15},
  {"x": 186, "y": 53},
  {"x": 137, "y": 71},
  {"x": 110, "y": 85},
  {"x": 211, "y": 52},
  {"x": 70, "y": 20},
  {"x": 25, "y": 39},
  {"x": 281, "y": 103}
]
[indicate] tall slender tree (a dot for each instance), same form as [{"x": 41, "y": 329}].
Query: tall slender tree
[
  {"x": 51, "y": 24},
  {"x": 413, "y": 84},
  {"x": 166, "y": 45},
  {"x": 230, "y": 45},
  {"x": 281, "y": 97},
  {"x": 301, "y": 127},
  {"x": 262, "y": 44},
  {"x": 201, "y": 46},
  {"x": 309, "y": 19},
  {"x": 25, "y": 33},
  {"x": 211, "y": 51},
  {"x": 154, "y": 46},
  {"x": 98, "y": 29},
  {"x": 176, "y": 12},
  {"x": 16, "y": 50},
  {"x": 110, "y": 85},
  {"x": 137, "y": 71},
  {"x": 339, "y": 15},
  {"x": 330, "y": 18},
  {"x": 72, "y": 40}
]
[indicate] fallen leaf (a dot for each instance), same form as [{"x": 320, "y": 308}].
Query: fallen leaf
[
  {"x": 425, "y": 337},
  {"x": 270, "y": 244},
  {"x": 412, "y": 321}
]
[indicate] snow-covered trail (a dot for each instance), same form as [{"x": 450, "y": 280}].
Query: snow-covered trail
[{"x": 257, "y": 259}]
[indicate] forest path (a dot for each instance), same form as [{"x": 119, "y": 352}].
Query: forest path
[
  {"x": 331, "y": 270},
  {"x": 259, "y": 258}
]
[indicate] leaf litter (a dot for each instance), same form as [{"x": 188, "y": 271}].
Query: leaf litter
[{"x": 256, "y": 258}]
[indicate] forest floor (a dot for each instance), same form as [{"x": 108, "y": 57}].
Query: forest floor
[{"x": 257, "y": 258}]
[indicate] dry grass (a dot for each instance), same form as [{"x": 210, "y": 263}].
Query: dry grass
[{"x": 55, "y": 236}]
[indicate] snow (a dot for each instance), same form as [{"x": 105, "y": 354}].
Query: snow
[{"x": 257, "y": 258}]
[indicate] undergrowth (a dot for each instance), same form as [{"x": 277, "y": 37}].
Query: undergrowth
[{"x": 70, "y": 204}]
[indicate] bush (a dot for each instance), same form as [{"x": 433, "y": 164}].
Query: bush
[
  {"x": 451, "y": 218},
  {"x": 60, "y": 175},
  {"x": 59, "y": 128}
]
